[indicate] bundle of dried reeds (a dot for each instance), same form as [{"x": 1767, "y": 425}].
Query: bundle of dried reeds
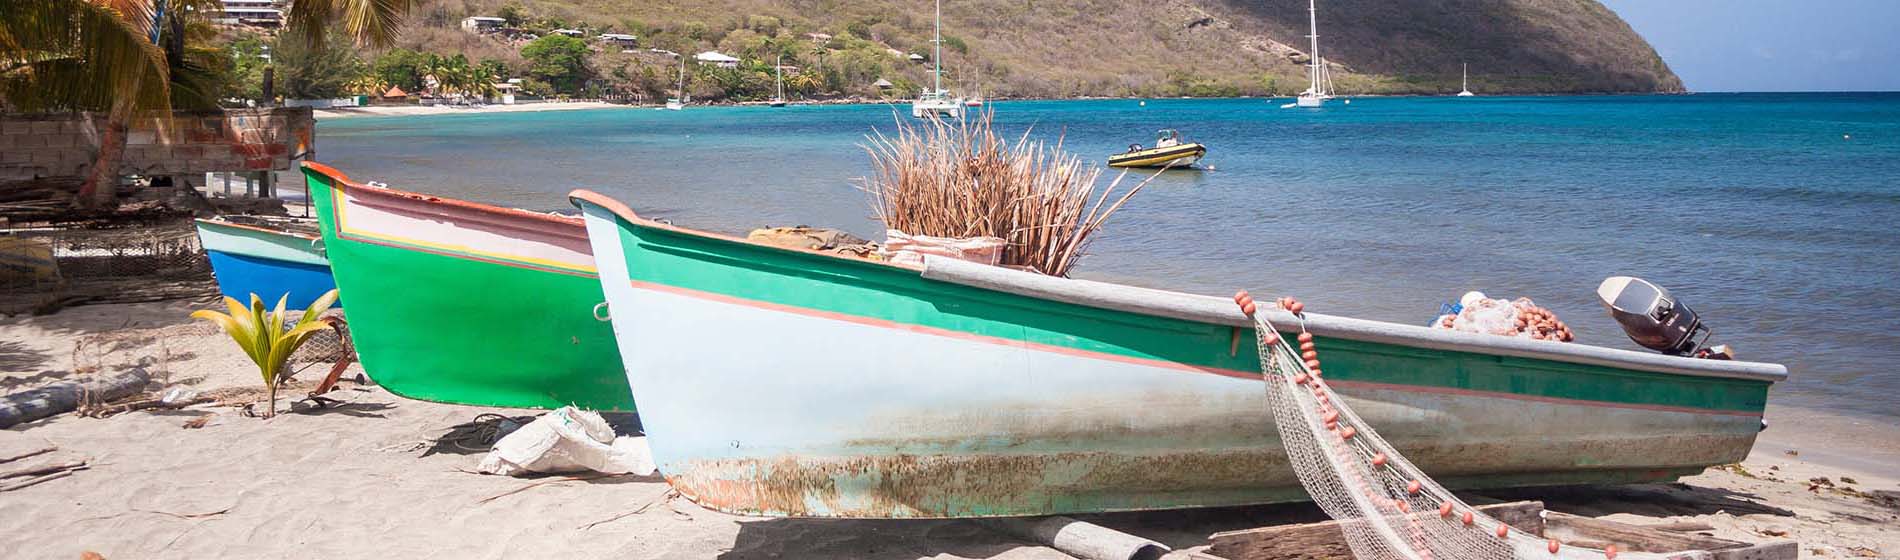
[{"x": 959, "y": 178}]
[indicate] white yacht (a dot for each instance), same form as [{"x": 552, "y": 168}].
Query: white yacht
[{"x": 937, "y": 101}]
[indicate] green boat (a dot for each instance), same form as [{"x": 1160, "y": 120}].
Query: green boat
[
  {"x": 788, "y": 382},
  {"x": 465, "y": 303}
]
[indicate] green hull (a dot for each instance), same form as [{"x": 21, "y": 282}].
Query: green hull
[{"x": 458, "y": 323}]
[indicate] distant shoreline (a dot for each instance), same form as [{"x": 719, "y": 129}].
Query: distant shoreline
[{"x": 428, "y": 110}]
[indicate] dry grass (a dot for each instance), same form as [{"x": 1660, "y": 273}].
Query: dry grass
[{"x": 959, "y": 178}]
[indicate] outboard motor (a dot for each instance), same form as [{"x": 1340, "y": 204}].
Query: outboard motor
[{"x": 1653, "y": 318}]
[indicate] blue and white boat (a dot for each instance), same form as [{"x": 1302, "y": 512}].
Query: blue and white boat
[{"x": 269, "y": 258}]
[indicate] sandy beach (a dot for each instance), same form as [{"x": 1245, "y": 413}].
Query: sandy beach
[
  {"x": 381, "y": 475},
  {"x": 421, "y": 110}
]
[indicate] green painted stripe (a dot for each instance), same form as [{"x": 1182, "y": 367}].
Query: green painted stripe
[
  {"x": 464, "y": 331},
  {"x": 875, "y": 291}
]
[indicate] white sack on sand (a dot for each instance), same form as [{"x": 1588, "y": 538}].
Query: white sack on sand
[{"x": 568, "y": 440}]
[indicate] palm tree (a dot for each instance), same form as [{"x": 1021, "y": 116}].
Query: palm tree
[{"x": 120, "y": 57}]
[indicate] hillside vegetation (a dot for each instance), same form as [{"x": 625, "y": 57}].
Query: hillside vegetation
[{"x": 1067, "y": 48}]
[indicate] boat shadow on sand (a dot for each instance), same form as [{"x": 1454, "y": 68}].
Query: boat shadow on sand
[{"x": 1181, "y": 529}]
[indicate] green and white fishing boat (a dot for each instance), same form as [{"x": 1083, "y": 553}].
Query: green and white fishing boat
[
  {"x": 784, "y": 382},
  {"x": 458, "y": 302}
]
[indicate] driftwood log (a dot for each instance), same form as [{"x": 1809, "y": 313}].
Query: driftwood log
[{"x": 34, "y": 404}]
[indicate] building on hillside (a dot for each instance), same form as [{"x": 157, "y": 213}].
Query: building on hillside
[
  {"x": 619, "y": 39},
  {"x": 257, "y": 13},
  {"x": 570, "y": 32},
  {"x": 717, "y": 59},
  {"x": 917, "y": 58},
  {"x": 819, "y": 37},
  {"x": 483, "y": 24},
  {"x": 664, "y": 52},
  {"x": 882, "y": 83}
]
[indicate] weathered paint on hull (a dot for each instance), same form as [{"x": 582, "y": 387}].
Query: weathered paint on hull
[
  {"x": 866, "y": 390},
  {"x": 271, "y": 264},
  {"x": 464, "y": 303}
]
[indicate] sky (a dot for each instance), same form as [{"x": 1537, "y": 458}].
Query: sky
[{"x": 1773, "y": 45}]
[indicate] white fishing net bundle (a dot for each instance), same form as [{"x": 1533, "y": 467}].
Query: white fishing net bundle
[{"x": 1387, "y": 508}]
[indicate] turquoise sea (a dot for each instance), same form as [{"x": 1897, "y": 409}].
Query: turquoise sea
[{"x": 1775, "y": 216}]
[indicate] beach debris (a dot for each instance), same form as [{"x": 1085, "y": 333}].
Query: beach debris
[
  {"x": 556, "y": 480},
  {"x": 39, "y": 474},
  {"x": 1849, "y": 480},
  {"x": 1520, "y": 318},
  {"x": 29, "y": 453},
  {"x": 1080, "y": 539},
  {"x": 198, "y": 422},
  {"x": 1792, "y": 453},
  {"x": 666, "y": 496},
  {"x": 568, "y": 440},
  {"x": 34, "y": 404},
  {"x": 90, "y": 555},
  {"x": 175, "y": 398}
]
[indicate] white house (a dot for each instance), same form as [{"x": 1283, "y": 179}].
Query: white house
[
  {"x": 482, "y": 24},
  {"x": 619, "y": 39},
  {"x": 917, "y": 58},
  {"x": 717, "y": 59},
  {"x": 569, "y": 32},
  {"x": 249, "y": 12}
]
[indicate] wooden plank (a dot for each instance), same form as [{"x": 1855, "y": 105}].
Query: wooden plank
[
  {"x": 1777, "y": 550},
  {"x": 1317, "y": 541},
  {"x": 1594, "y": 533}
]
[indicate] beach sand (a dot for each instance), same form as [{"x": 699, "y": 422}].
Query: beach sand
[
  {"x": 418, "y": 110},
  {"x": 375, "y": 478}
]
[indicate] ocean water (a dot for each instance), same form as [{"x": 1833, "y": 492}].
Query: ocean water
[{"x": 1775, "y": 216}]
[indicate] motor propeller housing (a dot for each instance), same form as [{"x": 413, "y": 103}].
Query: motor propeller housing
[{"x": 1651, "y": 316}]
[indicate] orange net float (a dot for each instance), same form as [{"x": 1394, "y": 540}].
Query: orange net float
[
  {"x": 1347, "y": 432},
  {"x": 1378, "y": 459},
  {"x": 1413, "y": 487},
  {"x": 1554, "y": 545},
  {"x": 1609, "y": 552},
  {"x": 1503, "y": 530},
  {"x": 1444, "y": 509},
  {"x": 1402, "y": 505}
]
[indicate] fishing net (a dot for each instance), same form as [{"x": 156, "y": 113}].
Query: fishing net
[{"x": 1385, "y": 505}]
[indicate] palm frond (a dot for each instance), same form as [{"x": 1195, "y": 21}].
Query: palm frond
[
  {"x": 58, "y": 55},
  {"x": 365, "y": 22}
]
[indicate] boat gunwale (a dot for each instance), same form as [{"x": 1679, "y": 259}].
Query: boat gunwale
[
  {"x": 1220, "y": 311},
  {"x": 344, "y": 183},
  {"x": 220, "y": 222}
]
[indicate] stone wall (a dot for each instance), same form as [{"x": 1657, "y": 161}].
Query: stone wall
[{"x": 191, "y": 142}]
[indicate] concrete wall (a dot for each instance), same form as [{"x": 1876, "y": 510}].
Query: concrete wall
[{"x": 192, "y": 142}]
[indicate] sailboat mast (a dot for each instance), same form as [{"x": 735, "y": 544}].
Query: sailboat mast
[
  {"x": 778, "y": 73},
  {"x": 1312, "y": 26},
  {"x": 1466, "y": 86},
  {"x": 936, "y": 57}
]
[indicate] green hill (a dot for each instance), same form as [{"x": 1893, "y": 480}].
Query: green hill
[{"x": 1067, "y": 48}]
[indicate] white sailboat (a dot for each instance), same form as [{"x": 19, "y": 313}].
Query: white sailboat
[
  {"x": 778, "y": 73},
  {"x": 1320, "y": 87},
  {"x": 1466, "y": 91},
  {"x": 937, "y": 101},
  {"x": 677, "y": 103}
]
